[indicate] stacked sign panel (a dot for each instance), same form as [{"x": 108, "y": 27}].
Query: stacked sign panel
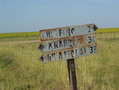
[{"x": 68, "y": 42}]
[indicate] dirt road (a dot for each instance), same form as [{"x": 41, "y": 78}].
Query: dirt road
[{"x": 19, "y": 42}]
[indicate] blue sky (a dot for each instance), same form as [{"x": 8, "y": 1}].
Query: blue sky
[{"x": 32, "y": 15}]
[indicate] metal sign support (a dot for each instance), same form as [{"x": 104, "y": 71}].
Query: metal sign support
[{"x": 72, "y": 74}]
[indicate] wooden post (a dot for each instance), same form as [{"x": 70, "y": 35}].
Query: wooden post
[{"x": 72, "y": 74}]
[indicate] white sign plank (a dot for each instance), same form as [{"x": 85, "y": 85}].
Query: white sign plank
[
  {"x": 68, "y": 42},
  {"x": 64, "y": 43},
  {"x": 67, "y": 31},
  {"x": 69, "y": 53}
]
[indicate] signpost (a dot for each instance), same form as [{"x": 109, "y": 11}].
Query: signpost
[{"x": 67, "y": 43}]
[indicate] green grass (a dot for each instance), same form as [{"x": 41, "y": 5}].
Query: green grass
[
  {"x": 14, "y": 35},
  {"x": 19, "y": 39},
  {"x": 36, "y": 34},
  {"x": 102, "y": 30},
  {"x": 21, "y": 69},
  {"x": 19, "y": 36}
]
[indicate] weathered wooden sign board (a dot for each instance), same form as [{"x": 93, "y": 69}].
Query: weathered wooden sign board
[{"x": 68, "y": 42}]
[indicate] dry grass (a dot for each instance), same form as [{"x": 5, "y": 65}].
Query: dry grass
[{"x": 20, "y": 68}]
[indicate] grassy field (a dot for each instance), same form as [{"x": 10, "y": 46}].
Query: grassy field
[
  {"x": 19, "y": 36},
  {"x": 14, "y": 35},
  {"x": 102, "y": 30},
  {"x": 21, "y": 69},
  {"x": 36, "y": 34}
]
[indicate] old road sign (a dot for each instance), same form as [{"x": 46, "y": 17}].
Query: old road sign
[{"x": 68, "y": 42}]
